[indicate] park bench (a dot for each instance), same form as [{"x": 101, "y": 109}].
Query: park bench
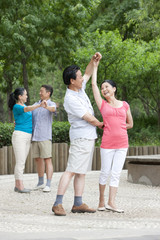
[{"x": 144, "y": 169}]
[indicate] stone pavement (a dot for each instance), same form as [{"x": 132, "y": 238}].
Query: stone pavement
[{"x": 29, "y": 216}]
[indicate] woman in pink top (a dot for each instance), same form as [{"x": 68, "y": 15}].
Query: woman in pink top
[{"x": 117, "y": 119}]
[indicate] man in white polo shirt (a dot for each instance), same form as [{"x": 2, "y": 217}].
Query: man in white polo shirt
[{"x": 82, "y": 137}]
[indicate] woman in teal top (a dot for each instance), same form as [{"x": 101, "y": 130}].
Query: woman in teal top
[
  {"x": 23, "y": 119},
  {"x": 21, "y": 138}
]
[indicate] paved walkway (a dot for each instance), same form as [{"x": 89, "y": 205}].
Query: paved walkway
[{"x": 29, "y": 216}]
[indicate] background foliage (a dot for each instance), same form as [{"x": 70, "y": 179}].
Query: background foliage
[
  {"x": 60, "y": 133},
  {"x": 40, "y": 38}
]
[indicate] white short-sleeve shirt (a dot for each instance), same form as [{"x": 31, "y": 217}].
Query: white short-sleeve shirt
[{"x": 77, "y": 104}]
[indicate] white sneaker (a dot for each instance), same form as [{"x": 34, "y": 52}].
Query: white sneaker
[
  {"x": 37, "y": 187},
  {"x": 46, "y": 189}
]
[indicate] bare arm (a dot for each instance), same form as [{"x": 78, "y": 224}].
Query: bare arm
[
  {"x": 31, "y": 108},
  {"x": 96, "y": 92},
  {"x": 42, "y": 104},
  {"x": 92, "y": 120},
  {"x": 49, "y": 108},
  {"x": 90, "y": 66},
  {"x": 88, "y": 71},
  {"x": 129, "y": 120}
]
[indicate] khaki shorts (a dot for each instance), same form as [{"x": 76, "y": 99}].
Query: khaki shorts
[
  {"x": 80, "y": 156},
  {"x": 42, "y": 149}
]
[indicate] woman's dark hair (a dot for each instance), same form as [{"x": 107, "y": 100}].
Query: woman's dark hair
[
  {"x": 48, "y": 88},
  {"x": 13, "y": 98},
  {"x": 70, "y": 72},
  {"x": 112, "y": 83}
]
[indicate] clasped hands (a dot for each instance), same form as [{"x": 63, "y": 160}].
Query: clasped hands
[
  {"x": 96, "y": 58},
  {"x": 44, "y": 104}
]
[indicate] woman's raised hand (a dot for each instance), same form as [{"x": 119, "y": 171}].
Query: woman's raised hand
[{"x": 96, "y": 59}]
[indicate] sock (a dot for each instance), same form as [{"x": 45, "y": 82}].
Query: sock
[
  {"x": 77, "y": 201},
  {"x": 58, "y": 200},
  {"x": 48, "y": 182},
  {"x": 40, "y": 181}
]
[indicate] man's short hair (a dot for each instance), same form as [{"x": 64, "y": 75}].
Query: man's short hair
[
  {"x": 70, "y": 72},
  {"x": 48, "y": 89}
]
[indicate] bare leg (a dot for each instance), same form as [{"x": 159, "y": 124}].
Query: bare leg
[
  {"x": 64, "y": 182},
  {"x": 79, "y": 182},
  {"x": 49, "y": 168},
  {"x": 19, "y": 184},
  {"x": 40, "y": 166},
  {"x": 112, "y": 196},
  {"x": 101, "y": 195}
]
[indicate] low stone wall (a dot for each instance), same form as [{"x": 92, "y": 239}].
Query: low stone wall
[
  {"x": 144, "y": 169},
  {"x": 60, "y": 156}
]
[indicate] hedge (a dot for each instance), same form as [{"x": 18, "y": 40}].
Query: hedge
[
  {"x": 60, "y": 132},
  {"x": 141, "y": 134},
  {"x": 144, "y": 132},
  {"x": 6, "y": 130}
]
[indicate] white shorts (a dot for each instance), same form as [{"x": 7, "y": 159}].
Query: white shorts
[{"x": 80, "y": 156}]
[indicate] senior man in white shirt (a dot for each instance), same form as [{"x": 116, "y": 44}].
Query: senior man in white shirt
[{"x": 82, "y": 137}]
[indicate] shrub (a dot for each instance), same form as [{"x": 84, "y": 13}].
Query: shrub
[
  {"x": 6, "y": 130},
  {"x": 60, "y": 132},
  {"x": 144, "y": 132},
  {"x": 145, "y": 136}
]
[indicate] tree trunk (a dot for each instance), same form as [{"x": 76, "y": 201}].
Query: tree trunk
[
  {"x": 158, "y": 114},
  {"x": 10, "y": 114},
  {"x": 9, "y": 91},
  {"x": 25, "y": 73},
  {"x": 25, "y": 78},
  {"x": 146, "y": 108},
  {"x": 124, "y": 94},
  {"x": 1, "y": 110}
]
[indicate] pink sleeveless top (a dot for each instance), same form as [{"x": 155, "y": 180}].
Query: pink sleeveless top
[{"x": 115, "y": 132}]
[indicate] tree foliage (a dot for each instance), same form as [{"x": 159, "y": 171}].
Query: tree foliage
[
  {"x": 40, "y": 38},
  {"x": 31, "y": 30},
  {"x": 133, "y": 65}
]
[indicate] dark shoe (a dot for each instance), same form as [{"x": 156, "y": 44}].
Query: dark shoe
[
  {"x": 82, "y": 209},
  {"x": 25, "y": 190},
  {"x": 59, "y": 210}
]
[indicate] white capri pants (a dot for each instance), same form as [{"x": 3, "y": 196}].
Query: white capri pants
[
  {"x": 112, "y": 161},
  {"x": 21, "y": 142}
]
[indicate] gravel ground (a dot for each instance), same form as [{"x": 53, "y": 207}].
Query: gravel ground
[{"x": 29, "y": 216}]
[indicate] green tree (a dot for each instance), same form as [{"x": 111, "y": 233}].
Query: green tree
[
  {"x": 111, "y": 15},
  {"x": 136, "y": 19},
  {"x": 33, "y": 29},
  {"x": 144, "y": 21},
  {"x": 133, "y": 65}
]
